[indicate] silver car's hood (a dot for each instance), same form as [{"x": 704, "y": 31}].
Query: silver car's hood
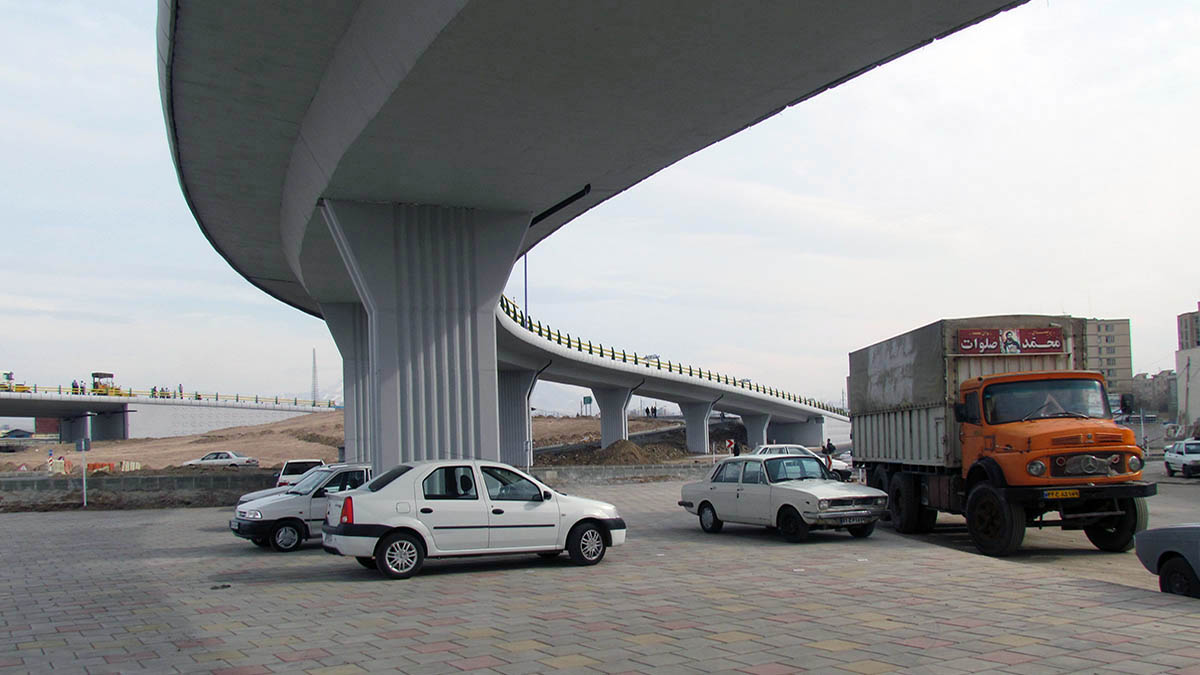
[
  {"x": 829, "y": 489},
  {"x": 259, "y": 494}
]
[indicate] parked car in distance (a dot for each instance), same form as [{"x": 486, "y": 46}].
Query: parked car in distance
[
  {"x": 1182, "y": 456},
  {"x": 841, "y": 468},
  {"x": 1173, "y": 553},
  {"x": 794, "y": 493},
  {"x": 284, "y": 519},
  {"x": 223, "y": 458},
  {"x": 458, "y": 507},
  {"x": 293, "y": 469}
]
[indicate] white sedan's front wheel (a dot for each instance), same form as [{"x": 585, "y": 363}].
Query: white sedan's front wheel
[
  {"x": 399, "y": 556},
  {"x": 586, "y": 544}
]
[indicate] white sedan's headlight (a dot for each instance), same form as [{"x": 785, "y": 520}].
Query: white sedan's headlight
[
  {"x": 823, "y": 504},
  {"x": 251, "y": 514}
]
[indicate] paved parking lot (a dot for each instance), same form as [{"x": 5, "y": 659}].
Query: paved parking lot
[{"x": 173, "y": 591}]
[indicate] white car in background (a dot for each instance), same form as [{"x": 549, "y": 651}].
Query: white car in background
[
  {"x": 225, "y": 458},
  {"x": 294, "y": 469},
  {"x": 458, "y": 507},
  {"x": 794, "y": 493},
  {"x": 284, "y": 519},
  {"x": 842, "y": 469},
  {"x": 1184, "y": 457}
]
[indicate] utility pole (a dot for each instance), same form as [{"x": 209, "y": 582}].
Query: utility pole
[
  {"x": 526, "y": 287},
  {"x": 314, "y": 379}
]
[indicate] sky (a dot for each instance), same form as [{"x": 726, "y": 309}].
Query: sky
[{"x": 1040, "y": 162}]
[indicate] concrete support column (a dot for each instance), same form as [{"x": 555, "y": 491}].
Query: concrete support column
[
  {"x": 614, "y": 413},
  {"x": 695, "y": 420},
  {"x": 347, "y": 323},
  {"x": 516, "y": 423},
  {"x": 756, "y": 429},
  {"x": 74, "y": 428},
  {"x": 808, "y": 434},
  {"x": 429, "y": 278},
  {"x": 110, "y": 426}
]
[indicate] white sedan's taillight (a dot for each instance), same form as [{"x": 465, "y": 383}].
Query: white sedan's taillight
[{"x": 347, "y": 516}]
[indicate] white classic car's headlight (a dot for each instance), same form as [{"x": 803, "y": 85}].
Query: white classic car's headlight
[
  {"x": 251, "y": 514},
  {"x": 823, "y": 504},
  {"x": 881, "y": 501}
]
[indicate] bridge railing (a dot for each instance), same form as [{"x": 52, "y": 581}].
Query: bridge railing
[
  {"x": 587, "y": 347},
  {"x": 165, "y": 394}
]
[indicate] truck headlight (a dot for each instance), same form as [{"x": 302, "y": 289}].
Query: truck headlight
[
  {"x": 1135, "y": 463},
  {"x": 251, "y": 515},
  {"x": 1036, "y": 468},
  {"x": 823, "y": 504}
]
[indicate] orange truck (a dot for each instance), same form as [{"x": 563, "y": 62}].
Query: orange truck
[{"x": 995, "y": 418}]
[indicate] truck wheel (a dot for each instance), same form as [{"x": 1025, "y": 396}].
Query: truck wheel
[
  {"x": 792, "y": 526},
  {"x": 1177, "y": 576},
  {"x": 927, "y": 520},
  {"x": 1170, "y": 471},
  {"x": 709, "y": 522},
  {"x": 861, "y": 531},
  {"x": 904, "y": 504},
  {"x": 1115, "y": 533},
  {"x": 996, "y": 526}
]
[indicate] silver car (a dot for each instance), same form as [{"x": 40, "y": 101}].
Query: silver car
[
  {"x": 794, "y": 493},
  {"x": 1184, "y": 457}
]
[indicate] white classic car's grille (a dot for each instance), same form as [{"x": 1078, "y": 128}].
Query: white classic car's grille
[{"x": 851, "y": 501}]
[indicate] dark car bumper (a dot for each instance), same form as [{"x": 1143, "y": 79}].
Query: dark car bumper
[{"x": 251, "y": 529}]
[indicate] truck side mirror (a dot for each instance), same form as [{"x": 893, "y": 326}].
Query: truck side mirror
[{"x": 960, "y": 412}]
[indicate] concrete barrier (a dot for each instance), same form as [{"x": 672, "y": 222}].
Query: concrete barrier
[
  {"x": 231, "y": 480},
  {"x": 609, "y": 475}
]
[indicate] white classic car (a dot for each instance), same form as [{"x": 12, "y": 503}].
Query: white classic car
[
  {"x": 841, "y": 468},
  {"x": 794, "y": 493},
  {"x": 435, "y": 509}
]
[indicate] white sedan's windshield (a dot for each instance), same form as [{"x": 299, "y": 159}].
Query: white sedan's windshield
[
  {"x": 794, "y": 468},
  {"x": 310, "y": 482}
]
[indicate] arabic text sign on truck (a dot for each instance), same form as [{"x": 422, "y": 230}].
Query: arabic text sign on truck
[{"x": 993, "y": 418}]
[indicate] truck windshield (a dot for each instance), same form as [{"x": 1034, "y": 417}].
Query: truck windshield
[{"x": 1040, "y": 399}]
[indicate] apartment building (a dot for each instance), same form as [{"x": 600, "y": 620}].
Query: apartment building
[{"x": 1109, "y": 351}]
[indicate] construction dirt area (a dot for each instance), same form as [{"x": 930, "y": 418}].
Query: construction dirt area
[{"x": 317, "y": 436}]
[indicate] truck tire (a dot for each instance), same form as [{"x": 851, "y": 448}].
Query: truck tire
[
  {"x": 1115, "y": 533},
  {"x": 996, "y": 526},
  {"x": 904, "y": 504}
]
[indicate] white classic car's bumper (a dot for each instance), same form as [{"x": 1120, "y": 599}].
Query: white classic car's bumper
[{"x": 842, "y": 518}]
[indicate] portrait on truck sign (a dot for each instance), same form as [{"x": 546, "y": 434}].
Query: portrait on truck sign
[{"x": 1009, "y": 341}]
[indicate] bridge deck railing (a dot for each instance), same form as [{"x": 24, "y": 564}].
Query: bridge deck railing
[
  {"x": 165, "y": 394},
  {"x": 587, "y": 347}
]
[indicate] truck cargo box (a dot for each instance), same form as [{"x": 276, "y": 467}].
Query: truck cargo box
[{"x": 902, "y": 390}]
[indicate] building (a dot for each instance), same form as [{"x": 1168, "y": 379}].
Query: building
[
  {"x": 1155, "y": 393},
  {"x": 1189, "y": 329},
  {"x": 1109, "y": 351},
  {"x": 1187, "y": 383}
]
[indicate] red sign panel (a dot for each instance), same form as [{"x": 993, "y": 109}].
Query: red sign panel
[{"x": 1009, "y": 341}]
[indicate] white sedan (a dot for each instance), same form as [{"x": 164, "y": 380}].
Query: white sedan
[
  {"x": 793, "y": 493},
  {"x": 450, "y": 508},
  {"x": 223, "y": 458},
  {"x": 838, "y": 466}
]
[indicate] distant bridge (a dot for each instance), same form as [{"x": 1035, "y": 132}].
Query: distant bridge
[{"x": 135, "y": 414}]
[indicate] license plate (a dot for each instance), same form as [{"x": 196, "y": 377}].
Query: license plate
[
  {"x": 233, "y": 525},
  {"x": 855, "y": 521},
  {"x": 1060, "y": 494}
]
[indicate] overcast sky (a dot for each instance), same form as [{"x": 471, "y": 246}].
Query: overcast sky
[{"x": 1041, "y": 162}]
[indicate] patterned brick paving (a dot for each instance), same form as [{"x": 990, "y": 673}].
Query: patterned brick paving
[{"x": 172, "y": 591}]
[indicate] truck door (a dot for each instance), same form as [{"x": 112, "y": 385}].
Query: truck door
[{"x": 970, "y": 430}]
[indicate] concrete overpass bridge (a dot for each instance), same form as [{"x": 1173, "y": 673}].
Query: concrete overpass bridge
[
  {"x": 383, "y": 165},
  {"x": 140, "y": 415}
]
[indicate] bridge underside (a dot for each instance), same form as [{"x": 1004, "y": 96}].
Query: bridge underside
[{"x": 384, "y": 164}]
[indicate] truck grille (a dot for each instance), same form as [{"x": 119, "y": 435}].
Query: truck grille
[
  {"x": 1088, "y": 464},
  {"x": 1080, "y": 439}
]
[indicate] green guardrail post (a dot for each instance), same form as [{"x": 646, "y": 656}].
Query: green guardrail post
[
  {"x": 60, "y": 389},
  {"x": 589, "y": 346},
  {"x": 623, "y": 356},
  {"x": 217, "y": 396},
  {"x": 635, "y": 359}
]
